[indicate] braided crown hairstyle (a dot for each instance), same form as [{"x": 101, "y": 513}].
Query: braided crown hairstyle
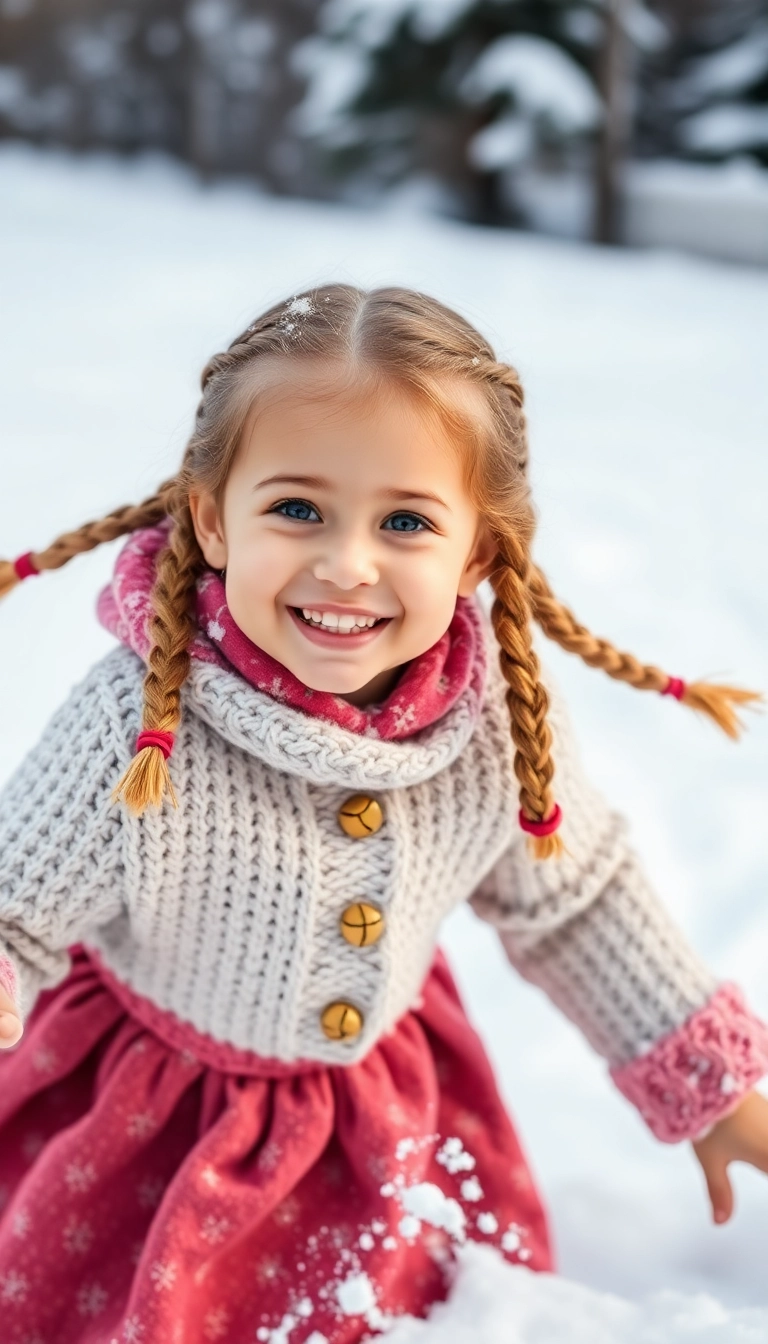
[{"x": 420, "y": 345}]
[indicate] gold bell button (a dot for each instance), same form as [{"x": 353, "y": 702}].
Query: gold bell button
[
  {"x": 361, "y": 924},
  {"x": 341, "y": 1021},
  {"x": 360, "y": 815}
]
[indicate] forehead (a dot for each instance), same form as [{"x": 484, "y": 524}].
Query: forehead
[{"x": 305, "y": 404}]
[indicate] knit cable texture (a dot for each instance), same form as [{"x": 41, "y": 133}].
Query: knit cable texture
[
  {"x": 699, "y": 1073},
  {"x": 226, "y": 912}
]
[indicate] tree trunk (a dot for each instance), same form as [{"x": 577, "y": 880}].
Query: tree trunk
[{"x": 614, "y": 80}]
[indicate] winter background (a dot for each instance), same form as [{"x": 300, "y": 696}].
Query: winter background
[{"x": 644, "y": 371}]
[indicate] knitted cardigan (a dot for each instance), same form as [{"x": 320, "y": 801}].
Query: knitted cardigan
[{"x": 225, "y": 912}]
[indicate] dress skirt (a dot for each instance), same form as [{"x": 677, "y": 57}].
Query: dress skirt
[{"x": 158, "y": 1187}]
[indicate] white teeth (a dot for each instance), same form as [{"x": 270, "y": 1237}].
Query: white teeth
[{"x": 341, "y": 624}]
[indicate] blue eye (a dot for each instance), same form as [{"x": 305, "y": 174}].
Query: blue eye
[
  {"x": 296, "y": 504},
  {"x": 410, "y": 518}
]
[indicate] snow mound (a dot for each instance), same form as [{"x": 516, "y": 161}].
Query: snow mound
[{"x": 496, "y": 1303}]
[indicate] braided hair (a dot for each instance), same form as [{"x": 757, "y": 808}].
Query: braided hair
[{"x": 423, "y": 347}]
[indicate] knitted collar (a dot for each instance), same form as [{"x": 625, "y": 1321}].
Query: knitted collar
[{"x": 429, "y": 686}]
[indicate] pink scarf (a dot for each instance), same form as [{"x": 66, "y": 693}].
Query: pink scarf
[{"x": 429, "y": 685}]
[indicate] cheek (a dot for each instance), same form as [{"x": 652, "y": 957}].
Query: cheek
[{"x": 263, "y": 565}]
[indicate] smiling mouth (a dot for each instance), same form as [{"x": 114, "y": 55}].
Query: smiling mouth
[{"x": 335, "y": 630}]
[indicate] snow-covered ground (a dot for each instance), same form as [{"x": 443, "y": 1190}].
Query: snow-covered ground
[{"x": 648, "y": 402}]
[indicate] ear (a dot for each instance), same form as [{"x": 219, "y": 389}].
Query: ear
[
  {"x": 208, "y": 530},
  {"x": 480, "y": 561}
]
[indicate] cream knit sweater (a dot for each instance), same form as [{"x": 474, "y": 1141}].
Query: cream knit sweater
[{"x": 226, "y": 912}]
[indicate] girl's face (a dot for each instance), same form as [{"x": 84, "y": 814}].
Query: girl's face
[{"x": 344, "y": 508}]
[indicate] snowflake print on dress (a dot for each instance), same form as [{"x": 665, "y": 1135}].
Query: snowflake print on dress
[
  {"x": 210, "y": 1176},
  {"x": 163, "y": 1275},
  {"x": 14, "y": 1287},
  {"x": 287, "y": 1211},
  {"x": 270, "y": 1155},
  {"x": 216, "y": 1323},
  {"x": 214, "y": 1229},
  {"x": 45, "y": 1059},
  {"x": 76, "y": 1237},
  {"x": 133, "y": 1330},
  {"x": 92, "y": 1299},
  {"x": 21, "y": 1224},
  {"x": 150, "y": 1192},
  {"x": 269, "y": 1269},
  {"x": 215, "y": 630},
  {"x": 140, "y": 1125},
  {"x": 80, "y": 1176},
  {"x": 33, "y": 1144}
]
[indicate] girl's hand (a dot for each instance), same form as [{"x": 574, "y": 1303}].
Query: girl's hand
[
  {"x": 10, "y": 1023},
  {"x": 741, "y": 1136}
]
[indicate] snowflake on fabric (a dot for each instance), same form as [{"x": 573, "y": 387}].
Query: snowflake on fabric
[
  {"x": 215, "y": 630},
  {"x": 163, "y": 1275},
  {"x": 216, "y": 1323},
  {"x": 77, "y": 1237},
  {"x": 276, "y": 689},
  {"x": 403, "y": 716},
  {"x": 14, "y": 1287},
  {"x": 287, "y": 1212},
  {"x": 214, "y": 1229},
  {"x": 140, "y": 1125},
  {"x": 45, "y": 1059},
  {"x": 210, "y": 1176},
  {"x": 150, "y": 1192},
  {"x": 33, "y": 1144},
  {"x": 21, "y": 1224},
  {"x": 132, "y": 1330},
  {"x": 80, "y": 1176},
  {"x": 91, "y": 1299},
  {"x": 270, "y": 1155},
  {"x": 188, "y": 1058},
  {"x": 269, "y": 1269}
]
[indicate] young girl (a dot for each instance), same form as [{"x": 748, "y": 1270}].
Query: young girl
[{"x": 246, "y": 1103}]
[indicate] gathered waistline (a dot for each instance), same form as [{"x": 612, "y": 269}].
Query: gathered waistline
[{"x": 181, "y": 1035}]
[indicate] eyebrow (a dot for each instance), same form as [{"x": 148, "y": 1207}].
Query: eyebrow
[{"x": 320, "y": 483}]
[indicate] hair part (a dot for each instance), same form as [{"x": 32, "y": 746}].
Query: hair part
[{"x": 380, "y": 339}]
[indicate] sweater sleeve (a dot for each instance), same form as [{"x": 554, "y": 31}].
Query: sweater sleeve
[
  {"x": 60, "y": 844},
  {"x": 589, "y": 930}
]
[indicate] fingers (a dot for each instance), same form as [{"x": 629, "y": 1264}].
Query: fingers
[
  {"x": 720, "y": 1191},
  {"x": 10, "y": 1030}
]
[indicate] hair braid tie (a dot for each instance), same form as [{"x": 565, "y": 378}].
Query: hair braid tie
[
  {"x": 676, "y": 687},
  {"x": 24, "y": 567},
  {"x": 541, "y": 828},
  {"x": 155, "y": 737}
]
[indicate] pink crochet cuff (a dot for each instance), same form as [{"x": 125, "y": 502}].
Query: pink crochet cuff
[
  {"x": 700, "y": 1072},
  {"x": 8, "y": 977}
]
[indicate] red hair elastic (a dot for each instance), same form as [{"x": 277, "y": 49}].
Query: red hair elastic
[
  {"x": 155, "y": 737},
  {"x": 675, "y": 686},
  {"x": 542, "y": 828},
  {"x": 24, "y": 567}
]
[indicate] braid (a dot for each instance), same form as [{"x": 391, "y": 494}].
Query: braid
[
  {"x": 526, "y": 697},
  {"x": 171, "y": 628},
  {"x": 93, "y": 534},
  {"x": 560, "y": 624}
]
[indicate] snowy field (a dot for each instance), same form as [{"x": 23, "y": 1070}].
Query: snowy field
[{"x": 648, "y": 403}]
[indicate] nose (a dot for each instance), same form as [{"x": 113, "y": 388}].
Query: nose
[{"x": 346, "y": 561}]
